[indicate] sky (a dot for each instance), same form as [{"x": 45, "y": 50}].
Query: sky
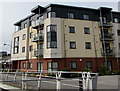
[{"x": 12, "y": 11}]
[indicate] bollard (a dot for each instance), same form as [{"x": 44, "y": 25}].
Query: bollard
[
  {"x": 39, "y": 81},
  {"x": 58, "y": 75},
  {"x": 7, "y": 74}
]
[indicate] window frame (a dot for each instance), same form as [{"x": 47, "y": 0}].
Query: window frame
[
  {"x": 30, "y": 48},
  {"x": 118, "y": 32},
  {"x": 23, "y": 36},
  {"x": 71, "y": 44},
  {"x": 72, "y": 29},
  {"x": 69, "y": 15},
  {"x": 24, "y": 65},
  {"x": 86, "y": 45},
  {"x": 51, "y": 14},
  {"x": 89, "y": 64},
  {"x": 71, "y": 64},
  {"x": 86, "y": 30},
  {"x": 23, "y": 49},
  {"x": 85, "y": 17},
  {"x": 16, "y": 45},
  {"x": 30, "y": 65},
  {"x": 51, "y": 68}
]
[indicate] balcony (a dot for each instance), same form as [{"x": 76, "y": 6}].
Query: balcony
[
  {"x": 37, "y": 38},
  {"x": 38, "y": 53},
  {"x": 38, "y": 23},
  {"x": 107, "y": 25},
  {"x": 107, "y": 37},
  {"x": 108, "y": 52}
]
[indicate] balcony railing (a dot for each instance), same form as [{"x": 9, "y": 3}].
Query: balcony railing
[
  {"x": 37, "y": 23},
  {"x": 107, "y": 37},
  {"x": 108, "y": 24},
  {"x": 38, "y": 52},
  {"x": 108, "y": 52},
  {"x": 37, "y": 38}
]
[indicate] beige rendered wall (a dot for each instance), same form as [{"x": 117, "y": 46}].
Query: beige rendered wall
[{"x": 22, "y": 43}]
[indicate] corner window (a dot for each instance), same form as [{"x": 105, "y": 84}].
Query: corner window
[
  {"x": 30, "y": 65},
  {"x": 86, "y": 30},
  {"x": 72, "y": 45},
  {"x": 24, "y": 65},
  {"x": 23, "y": 37},
  {"x": 73, "y": 65},
  {"x": 88, "y": 45},
  {"x": 90, "y": 64},
  {"x": 52, "y": 36},
  {"x": 71, "y": 29},
  {"x": 85, "y": 17},
  {"x": 70, "y": 15},
  {"x": 51, "y": 14},
  {"x": 116, "y": 20},
  {"x": 23, "y": 49}
]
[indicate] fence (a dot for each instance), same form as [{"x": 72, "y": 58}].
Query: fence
[{"x": 86, "y": 80}]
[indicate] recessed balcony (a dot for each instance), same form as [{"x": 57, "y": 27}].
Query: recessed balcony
[
  {"x": 107, "y": 37},
  {"x": 38, "y": 23},
  {"x": 38, "y": 52},
  {"x": 108, "y": 52},
  {"x": 37, "y": 38}
]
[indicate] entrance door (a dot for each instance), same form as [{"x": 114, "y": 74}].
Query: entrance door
[{"x": 40, "y": 66}]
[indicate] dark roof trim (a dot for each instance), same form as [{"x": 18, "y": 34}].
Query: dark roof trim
[{"x": 19, "y": 22}]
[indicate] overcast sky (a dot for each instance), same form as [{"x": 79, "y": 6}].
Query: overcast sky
[{"x": 11, "y": 12}]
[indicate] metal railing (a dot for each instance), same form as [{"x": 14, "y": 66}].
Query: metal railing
[
  {"x": 107, "y": 37},
  {"x": 37, "y": 23},
  {"x": 108, "y": 52},
  {"x": 38, "y": 52},
  {"x": 108, "y": 24},
  {"x": 86, "y": 80},
  {"x": 37, "y": 37}
]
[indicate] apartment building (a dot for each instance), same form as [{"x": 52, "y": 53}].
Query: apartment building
[{"x": 57, "y": 37}]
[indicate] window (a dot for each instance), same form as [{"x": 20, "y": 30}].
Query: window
[
  {"x": 31, "y": 34},
  {"x": 16, "y": 45},
  {"x": 88, "y": 45},
  {"x": 116, "y": 20},
  {"x": 40, "y": 66},
  {"x": 72, "y": 45},
  {"x": 71, "y": 29},
  {"x": 52, "y": 36},
  {"x": 51, "y": 14},
  {"x": 52, "y": 66},
  {"x": 23, "y": 37},
  {"x": 70, "y": 15},
  {"x": 30, "y": 48},
  {"x": 30, "y": 65},
  {"x": 89, "y": 64},
  {"x": 86, "y": 30},
  {"x": 104, "y": 20},
  {"x": 73, "y": 65},
  {"x": 118, "y": 32},
  {"x": 24, "y": 65},
  {"x": 85, "y": 17},
  {"x": 25, "y": 25},
  {"x": 23, "y": 49}
]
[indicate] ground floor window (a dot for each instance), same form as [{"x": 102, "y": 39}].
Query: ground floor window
[
  {"x": 40, "y": 66},
  {"x": 109, "y": 65},
  {"x": 52, "y": 66},
  {"x": 30, "y": 65},
  {"x": 24, "y": 65},
  {"x": 90, "y": 64},
  {"x": 73, "y": 65}
]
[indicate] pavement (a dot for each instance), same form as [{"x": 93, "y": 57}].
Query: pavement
[{"x": 104, "y": 82}]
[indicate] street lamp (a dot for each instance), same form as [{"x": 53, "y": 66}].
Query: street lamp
[{"x": 10, "y": 63}]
